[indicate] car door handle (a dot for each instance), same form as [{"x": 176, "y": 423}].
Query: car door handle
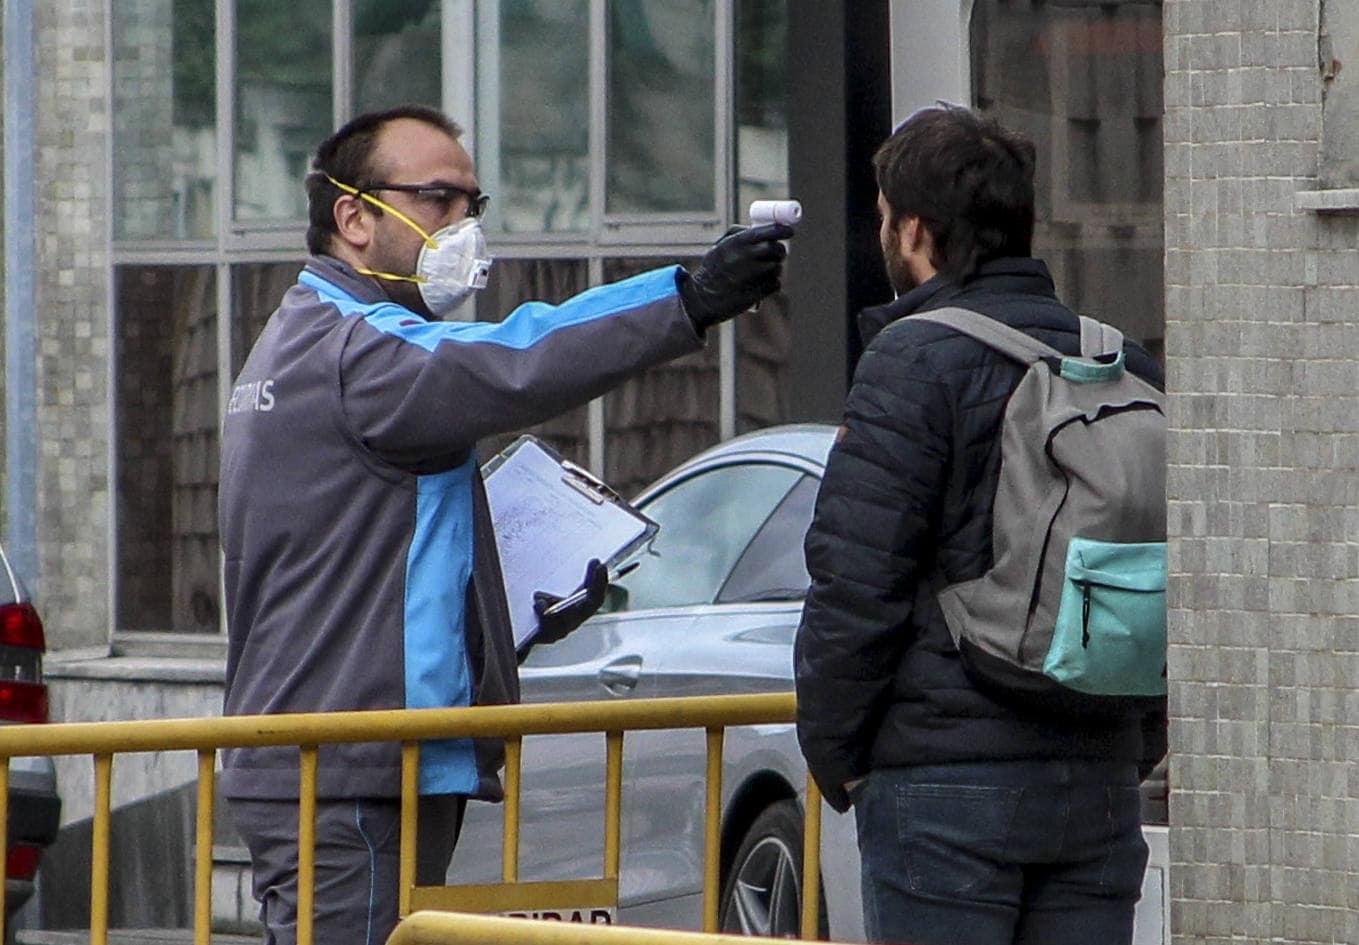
[{"x": 620, "y": 676}]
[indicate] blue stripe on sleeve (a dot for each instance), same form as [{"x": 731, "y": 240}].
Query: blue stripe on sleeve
[
  {"x": 438, "y": 568},
  {"x": 523, "y": 328}
]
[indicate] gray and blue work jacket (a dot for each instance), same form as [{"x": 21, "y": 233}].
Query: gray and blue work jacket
[{"x": 360, "y": 566}]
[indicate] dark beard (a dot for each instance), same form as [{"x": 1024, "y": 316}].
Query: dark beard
[{"x": 898, "y": 273}]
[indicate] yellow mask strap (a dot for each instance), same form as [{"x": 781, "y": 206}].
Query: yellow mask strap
[
  {"x": 429, "y": 240},
  {"x": 418, "y": 280}
]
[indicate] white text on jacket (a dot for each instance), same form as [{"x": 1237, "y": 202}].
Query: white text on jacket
[{"x": 252, "y": 395}]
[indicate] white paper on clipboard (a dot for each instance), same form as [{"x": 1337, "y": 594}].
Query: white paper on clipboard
[{"x": 551, "y": 517}]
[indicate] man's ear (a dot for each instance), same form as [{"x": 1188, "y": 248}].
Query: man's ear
[
  {"x": 914, "y": 236},
  {"x": 353, "y": 225},
  {"x": 917, "y": 246}
]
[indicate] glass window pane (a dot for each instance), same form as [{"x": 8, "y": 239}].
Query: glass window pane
[
  {"x": 1084, "y": 82},
  {"x": 256, "y": 290},
  {"x": 396, "y": 54},
  {"x": 535, "y": 99},
  {"x": 764, "y": 349},
  {"x": 774, "y": 566},
  {"x": 283, "y": 103},
  {"x": 168, "y": 557},
  {"x": 663, "y": 416},
  {"x": 761, "y": 102},
  {"x": 514, "y": 281},
  {"x": 661, "y": 106},
  {"x": 706, "y": 522},
  {"x": 164, "y": 119}
]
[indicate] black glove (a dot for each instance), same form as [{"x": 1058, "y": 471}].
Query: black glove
[
  {"x": 740, "y": 269},
  {"x": 556, "y": 625}
]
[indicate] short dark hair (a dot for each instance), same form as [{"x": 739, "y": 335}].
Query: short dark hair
[
  {"x": 968, "y": 179},
  {"x": 347, "y": 156}
]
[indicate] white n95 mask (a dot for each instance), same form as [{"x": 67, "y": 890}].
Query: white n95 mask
[{"x": 453, "y": 264}]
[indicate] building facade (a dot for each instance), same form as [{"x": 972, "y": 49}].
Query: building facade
[{"x": 1196, "y": 187}]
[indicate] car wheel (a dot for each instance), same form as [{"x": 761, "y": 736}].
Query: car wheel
[{"x": 762, "y": 892}]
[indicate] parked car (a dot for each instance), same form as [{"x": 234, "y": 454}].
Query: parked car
[
  {"x": 712, "y": 609},
  {"x": 34, "y": 805}
]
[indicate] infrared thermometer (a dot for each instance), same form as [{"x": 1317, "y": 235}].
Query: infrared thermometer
[{"x": 775, "y": 211}]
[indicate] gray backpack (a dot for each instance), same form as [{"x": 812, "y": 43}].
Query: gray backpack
[{"x": 1071, "y": 617}]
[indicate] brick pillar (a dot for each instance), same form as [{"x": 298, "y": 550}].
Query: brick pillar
[
  {"x": 1262, "y": 318},
  {"x": 73, "y": 320}
]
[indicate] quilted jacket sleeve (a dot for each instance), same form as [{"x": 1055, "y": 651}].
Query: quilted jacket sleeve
[{"x": 867, "y": 549}]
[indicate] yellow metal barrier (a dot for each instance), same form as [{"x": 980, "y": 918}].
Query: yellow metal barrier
[
  {"x": 443, "y": 928},
  {"x": 103, "y": 740}
]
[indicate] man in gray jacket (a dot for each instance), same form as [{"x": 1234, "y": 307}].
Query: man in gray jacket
[{"x": 361, "y": 570}]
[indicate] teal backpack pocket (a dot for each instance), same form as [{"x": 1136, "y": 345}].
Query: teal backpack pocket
[{"x": 1110, "y": 635}]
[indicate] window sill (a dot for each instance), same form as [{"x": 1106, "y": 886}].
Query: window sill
[
  {"x": 1337, "y": 200},
  {"x": 183, "y": 660}
]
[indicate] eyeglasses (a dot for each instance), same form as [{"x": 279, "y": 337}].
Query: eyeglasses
[{"x": 440, "y": 195}]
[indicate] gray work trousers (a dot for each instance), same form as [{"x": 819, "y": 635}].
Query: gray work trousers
[{"x": 357, "y": 863}]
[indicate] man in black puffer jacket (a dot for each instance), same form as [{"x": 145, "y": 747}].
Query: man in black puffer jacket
[{"x": 980, "y": 823}]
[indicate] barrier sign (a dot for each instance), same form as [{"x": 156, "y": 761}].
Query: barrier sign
[{"x": 586, "y": 916}]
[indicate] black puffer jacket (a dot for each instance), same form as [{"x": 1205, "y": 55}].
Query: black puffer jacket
[{"x": 907, "y": 495}]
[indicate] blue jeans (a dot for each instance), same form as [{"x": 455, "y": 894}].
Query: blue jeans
[{"x": 1035, "y": 852}]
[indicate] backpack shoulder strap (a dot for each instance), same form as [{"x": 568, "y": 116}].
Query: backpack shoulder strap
[
  {"x": 1010, "y": 342},
  {"x": 1098, "y": 338}
]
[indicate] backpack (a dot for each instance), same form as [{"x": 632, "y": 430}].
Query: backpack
[{"x": 1071, "y": 617}]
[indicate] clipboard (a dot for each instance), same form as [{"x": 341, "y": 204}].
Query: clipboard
[{"x": 550, "y": 518}]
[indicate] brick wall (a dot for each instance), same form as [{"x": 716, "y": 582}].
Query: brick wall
[
  {"x": 73, "y": 320},
  {"x": 1262, "y": 335}
]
